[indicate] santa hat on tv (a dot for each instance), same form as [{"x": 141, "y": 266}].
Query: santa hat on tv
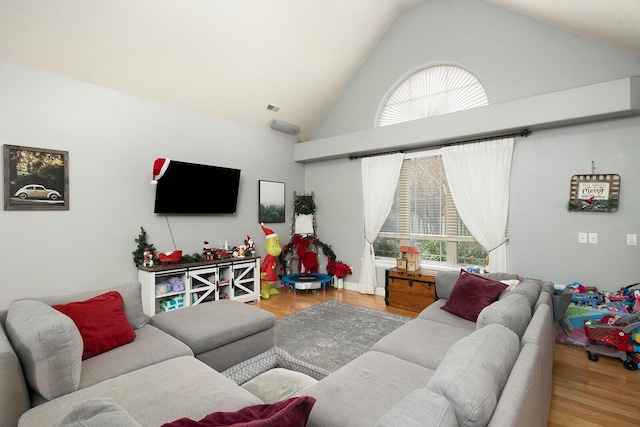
[
  {"x": 159, "y": 168},
  {"x": 268, "y": 233}
]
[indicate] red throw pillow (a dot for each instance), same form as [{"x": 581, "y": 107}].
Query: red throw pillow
[
  {"x": 471, "y": 294},
  {"x": 101, "y": 321},
  {"x": 292, "y": 412}
]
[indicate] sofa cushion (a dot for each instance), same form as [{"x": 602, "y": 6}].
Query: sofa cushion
[
  {"x": 277, "y": 384},
  {"x": 512, "y": 312},
  {"x": 420, "y": 408},
  {"x": 101, "y": 321},
  {"x": 362, "y": 391},
  {"x": 414, "y": 342},
  {"x": 471, "y": 294},
  {"x": 473, "y": 373},
  {"x": 151, "y": 346},
  {"x": 155, "y": 394},
  {"x": 434, "y": 313},
  {"x": 292, "y": 412},
  {"x": 48, "y": 345},
  {"x": 192, "y": 326},
  {"x": 98, "y": 412},
  {"x": 131, "y": 294}
]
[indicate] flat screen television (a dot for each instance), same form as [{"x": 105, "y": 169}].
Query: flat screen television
[{"x": 190, "y": 188}]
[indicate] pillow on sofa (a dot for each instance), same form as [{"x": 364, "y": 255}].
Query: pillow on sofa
[
  {"x": 530, "y": 288},
  {"x": 471, "y": 294},
  {"x": 131, "y": 294},
  {"x": 101, "y": 321},
  {"x": 48, "y": 345},
  {"x": 513, "y": 312},
  {"x": 97, "y": 412},
  {"x": 292, "y": 412},
  {"x": 474, "y": 372}
]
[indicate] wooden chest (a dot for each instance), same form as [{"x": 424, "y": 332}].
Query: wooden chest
[{"x": 409, "y": 290}]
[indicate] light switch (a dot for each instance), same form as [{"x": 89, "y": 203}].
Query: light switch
[
  {"x": 593, "y": 237},
  {"x": 582, "y": 237},
  {"x": 632, "y": 239}
]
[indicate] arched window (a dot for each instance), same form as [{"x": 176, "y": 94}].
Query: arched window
[
  {"x": 432, "y": 91},
  {"x": 423, "y": 213}
]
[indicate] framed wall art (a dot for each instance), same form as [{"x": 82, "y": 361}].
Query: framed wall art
[
  {"x": 35, "y": 178},
  {"x": 271, "y": 201},
  {"x": 594, "y": 193}
]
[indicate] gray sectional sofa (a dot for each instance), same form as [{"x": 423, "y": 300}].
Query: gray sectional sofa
[
  {"x": 442, "y": 370},
  {"x": 437, "y": 369},
  {"x": 155, "y": 378}
]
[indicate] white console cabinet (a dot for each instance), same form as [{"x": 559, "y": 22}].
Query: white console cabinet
[{"x": 173, "y": 286}]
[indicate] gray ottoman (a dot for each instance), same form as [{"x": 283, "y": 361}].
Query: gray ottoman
[{"x": 221, "y": 333}]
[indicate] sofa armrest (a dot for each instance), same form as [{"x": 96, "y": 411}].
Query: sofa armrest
[{"x": 14, "y": 394}]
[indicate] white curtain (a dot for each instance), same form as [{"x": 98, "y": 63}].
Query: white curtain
[
  {"x": 379, "y": 180},
  {"x": 479, "y": 178}
]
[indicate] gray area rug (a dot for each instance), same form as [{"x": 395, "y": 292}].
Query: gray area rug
[{"x": 331, "y": 334}]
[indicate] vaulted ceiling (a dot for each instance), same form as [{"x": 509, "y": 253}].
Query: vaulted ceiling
[{"x": 233, "y": 58}]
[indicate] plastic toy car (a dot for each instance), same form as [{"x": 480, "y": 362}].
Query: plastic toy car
[{"x": 35, "y": 191}]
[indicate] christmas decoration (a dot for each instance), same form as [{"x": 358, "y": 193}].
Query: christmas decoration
[
  {"x": 268, "y": 274},
  {"x": 143, "y": 245},
  {"x": 304, "y": 205},
  {"x": 250, "y": 246},
  {"x": 160, "y": 166},
  {"x": 308, "y": 259},
  {"x": 338, "y": 269},
  {"x": 593, "y": 205}
]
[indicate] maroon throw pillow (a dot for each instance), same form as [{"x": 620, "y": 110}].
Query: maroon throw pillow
[
  {"x": 101, "y": 321},
  {"x": 292, "y": 412},
  {"x": 471, "y": 294}
]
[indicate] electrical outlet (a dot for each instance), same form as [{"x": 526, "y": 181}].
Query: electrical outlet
[
  {"x": 582, "y": 237},
  {"x": 632, "y": 239},
  {"x": 593, "y": 237}
]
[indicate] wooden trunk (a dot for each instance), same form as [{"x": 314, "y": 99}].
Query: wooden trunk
[{"x": 409, "y": 290}]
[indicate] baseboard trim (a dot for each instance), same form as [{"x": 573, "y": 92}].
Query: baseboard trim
[{"x": 351, "y": 286}]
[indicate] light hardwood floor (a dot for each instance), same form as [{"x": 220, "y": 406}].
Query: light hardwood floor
[{"x": 585, "y": 393}]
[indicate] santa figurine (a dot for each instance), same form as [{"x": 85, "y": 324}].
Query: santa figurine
[
  {"x": 250, "y": 246},
  {"x": 268, "y": 274}
]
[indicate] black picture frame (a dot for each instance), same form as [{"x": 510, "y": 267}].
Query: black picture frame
[
  {"x": 35, "y": 178},
  {"x": 271, "y": 201}
]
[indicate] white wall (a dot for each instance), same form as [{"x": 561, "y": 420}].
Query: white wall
[
  {"x": 113, "y": 139},
  {"x": 514, "y": 57}
]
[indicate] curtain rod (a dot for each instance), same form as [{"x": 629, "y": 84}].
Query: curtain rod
[{"x": 523, "y": 134}]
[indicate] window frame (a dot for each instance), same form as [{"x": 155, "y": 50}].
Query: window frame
[{"x": 451, "y": 240}]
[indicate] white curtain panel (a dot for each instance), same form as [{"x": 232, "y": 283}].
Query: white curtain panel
[
  {"x": 479, "y": 176},
  {"x": 379, "y": 181}
]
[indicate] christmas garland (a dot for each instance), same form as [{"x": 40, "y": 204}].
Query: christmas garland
[
  {"x": 595, "y": 205},
  {"x": 289, "y": 247},
  {"x": 304, "y": 205}
]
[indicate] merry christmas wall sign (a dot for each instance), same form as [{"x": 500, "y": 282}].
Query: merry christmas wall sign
[{"x": 594, "y": 193}]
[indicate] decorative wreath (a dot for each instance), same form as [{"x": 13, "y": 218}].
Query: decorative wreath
[{"x": 304, "y": 205}]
